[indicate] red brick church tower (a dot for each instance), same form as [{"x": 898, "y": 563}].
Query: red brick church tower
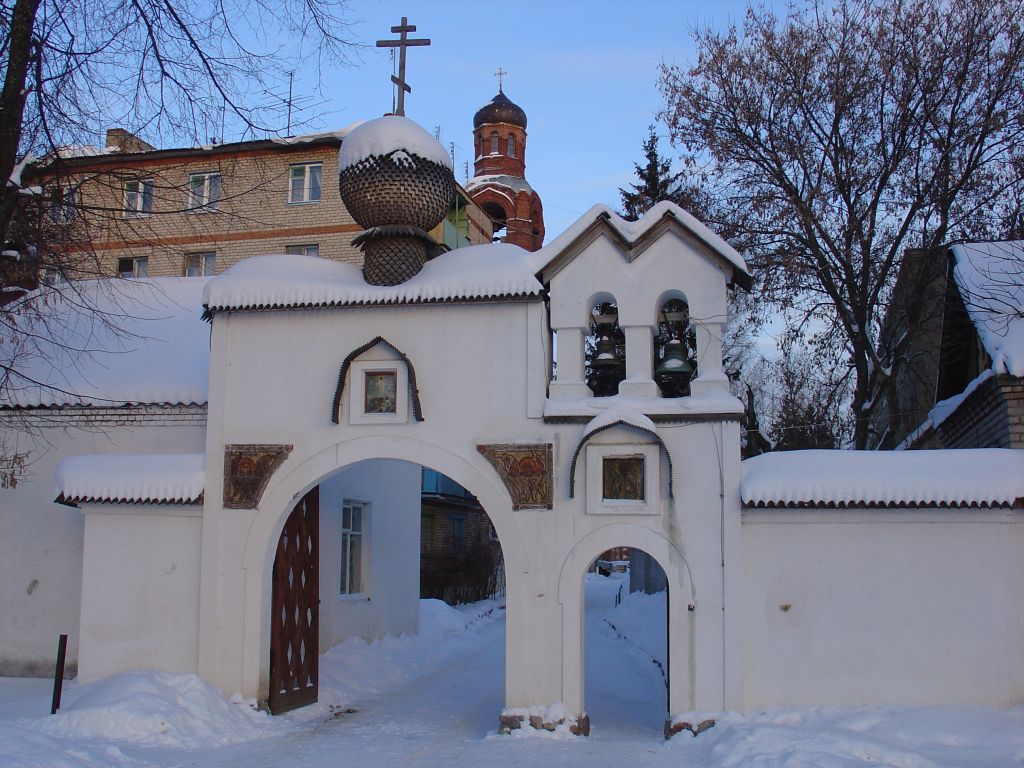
[{"x": 499, "y": 183}]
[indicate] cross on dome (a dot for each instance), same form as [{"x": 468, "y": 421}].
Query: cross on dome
[
  {"x": 500, "y": 74},
  {"x": 401, "y": 44}
]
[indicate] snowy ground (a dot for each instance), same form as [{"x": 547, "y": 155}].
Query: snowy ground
[{"x": 433, "y": 700}]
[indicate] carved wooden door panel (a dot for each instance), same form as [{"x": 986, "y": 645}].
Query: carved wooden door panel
[{"x": 295, "y": 611}]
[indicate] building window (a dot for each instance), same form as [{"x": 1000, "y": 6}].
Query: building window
[
  {"x": 381, "y": 392},
  {"x": 352, "y": 533},
  {"x": 63, "y": 205},
  {"x": 203, "y": 192},
  {"x": 199, "y": 264},
  {"x": 494, "y": 143},
  {"x": 133, "y": 266},
  {"x": 511, "y": 146},
  {"x": 457, "y": 531},
  {"x": 138, "y": 197},
  {"x": 303, "y": 249},
  {"x": 304, "y": 182}
]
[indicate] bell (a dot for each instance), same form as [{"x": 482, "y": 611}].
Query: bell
[
  {"x": 675, "y": 361},
  {"x": 604, "y": 355},
  {"x": 606, "y": 315}
]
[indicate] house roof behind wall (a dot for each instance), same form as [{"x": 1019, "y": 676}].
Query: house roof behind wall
[
  {"x": 990, "y": 277},
  {"x": 108, "y": 343},
  {"x": 983, "y": 477}
]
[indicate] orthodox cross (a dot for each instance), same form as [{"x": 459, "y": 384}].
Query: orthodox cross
[
  {"x": 401, "y": 44},
  {"x": 500, "y": 74}
]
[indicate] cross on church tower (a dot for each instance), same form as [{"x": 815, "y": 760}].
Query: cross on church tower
[
  {"x": 401, "y": 44},
  {"x": 500, "y": 74}
]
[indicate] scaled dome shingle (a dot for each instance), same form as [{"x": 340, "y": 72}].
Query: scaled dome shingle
[{"x": 500, "y": 110}]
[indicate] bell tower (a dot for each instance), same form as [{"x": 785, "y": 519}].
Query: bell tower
[{"x": 499, "y": 183}]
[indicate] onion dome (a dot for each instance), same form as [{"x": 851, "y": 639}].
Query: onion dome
[
  {"x": 396, "y": 180},
  {"x": 500, "y": 110}
]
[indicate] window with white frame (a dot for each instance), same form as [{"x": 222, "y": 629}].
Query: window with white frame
[
  {"x": 203, "y": 192},
  {"x": 304, "y": 182},
  {"x": 133, "y": 266},
  {"x": 303, "y": 249},
  {"x": 138, "y": 197},
  {"x": 353, "y": 532},
  {"x": 200, "y": 264}
]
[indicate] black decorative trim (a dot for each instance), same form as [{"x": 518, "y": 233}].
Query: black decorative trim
[
  {"x": 599, "y": 430},
  {"x": 75, "y": 501},
  {"x": 538, "y": 295},
  {"x": 414, "y": 392}
]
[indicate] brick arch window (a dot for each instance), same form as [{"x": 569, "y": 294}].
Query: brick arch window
[
  {"x": 494, "y": 142},
  {"x": 511, "y": 146},
  {"x": 480, "y": 144}
]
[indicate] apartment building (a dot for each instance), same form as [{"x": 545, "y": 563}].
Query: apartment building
[{"x": 143, "y": 211}]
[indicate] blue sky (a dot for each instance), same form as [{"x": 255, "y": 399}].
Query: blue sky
[{"x": 585, "y": 72}]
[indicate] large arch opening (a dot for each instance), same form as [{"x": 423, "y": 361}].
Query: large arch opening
[
  {"x": 626, "y": 646},
  {"x": 371, "y": 514}
]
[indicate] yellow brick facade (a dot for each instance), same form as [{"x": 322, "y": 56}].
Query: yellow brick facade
[{"x": 252, "y": 216}]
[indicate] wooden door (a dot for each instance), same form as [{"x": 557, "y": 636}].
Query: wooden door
[{"x": 295, "y": 609}]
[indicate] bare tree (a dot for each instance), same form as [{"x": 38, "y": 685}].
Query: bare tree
[
  {"x": 184, "y": 72},
  {"x": 843, "y": 134}
]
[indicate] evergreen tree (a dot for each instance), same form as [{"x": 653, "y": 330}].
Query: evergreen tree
[{"x": 657, "y": 183}]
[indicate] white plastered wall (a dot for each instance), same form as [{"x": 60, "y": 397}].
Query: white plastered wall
[
  {"x": 875, "y": 606},
  {"x": 140, "y": 589},
  {"x": 41, "y": 541},
  {"x": 388, "y": 600}
]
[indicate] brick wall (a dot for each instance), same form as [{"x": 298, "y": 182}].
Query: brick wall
[
  {"x": 253, "y": 215},
  {"x": 102, "y": 418},
  {"x": 992, "y": 416}
]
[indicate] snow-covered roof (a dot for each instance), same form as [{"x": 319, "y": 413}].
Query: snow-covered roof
[
  {"x": 386, "y": 135},
  {"x": 977, "y": 477},
  {"x": 632, "y": 231},
  {"x": 172, "y": 478},
  {"x": 108, "y": 343},
  {"x": 283, "y": 281},
  {"x": 990, "y": 277},
  {"x": 515, "y": 183}
]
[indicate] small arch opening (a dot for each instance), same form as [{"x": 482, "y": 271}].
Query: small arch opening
[
  {"x": 494, "y": 143},
  {"x": 675, "y": 349},
  {"x": 497, "y": 215},
  {"x": 626, "y": 657},
  {"x": 511, "y": 151},
  {"x": 605, "y": 348}
]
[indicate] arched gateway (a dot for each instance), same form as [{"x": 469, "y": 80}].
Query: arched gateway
[{"x": 324, "y": 376}]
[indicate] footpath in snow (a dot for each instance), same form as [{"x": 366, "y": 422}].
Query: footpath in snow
[{"x": 433, "y": 700}]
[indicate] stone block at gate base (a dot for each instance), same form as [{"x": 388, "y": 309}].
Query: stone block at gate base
[{"x": 549, "y": 718}]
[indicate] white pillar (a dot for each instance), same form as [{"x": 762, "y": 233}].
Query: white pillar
[
  {"x": 568, "y": 383},
  {"x": 639, "y": 381},
  {"x": 710, "y": 376}
]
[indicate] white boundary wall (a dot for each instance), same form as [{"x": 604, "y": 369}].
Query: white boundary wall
[{"x": 880, "y": 606}]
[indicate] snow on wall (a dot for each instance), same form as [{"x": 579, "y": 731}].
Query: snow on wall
[
  {"x": 387, "y": 134},
  {"x": 972, "y": 477},
  {"x": 991, "y": 281},
  {"x": 285, "y": 280},
  {"x": 155, "y": 478},
  {"x": 109, "y": 343}
]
